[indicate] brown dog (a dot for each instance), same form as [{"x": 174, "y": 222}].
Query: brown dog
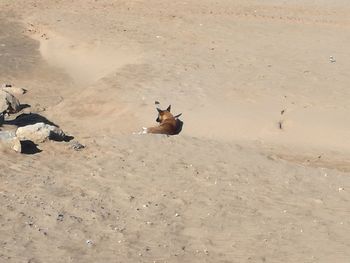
[{"x": 168, "y": 124}]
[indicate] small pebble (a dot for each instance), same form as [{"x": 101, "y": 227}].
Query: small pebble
[
  {"x": 77, "y": 146},
  {"x": 60, "y": 217}
]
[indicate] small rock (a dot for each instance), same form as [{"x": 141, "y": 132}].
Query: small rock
[
  {"x": 10, "y": 140},
  {"x": 89, "y": 242},
  {"x": 60, "y": 217},
  {"x": 40, "y": 132},
  {"x": 8, "y": 102},
  {"x": 280, "y": 125},
  {"x": 13, "y": 90},
  {"x": 77, "y": 146}
]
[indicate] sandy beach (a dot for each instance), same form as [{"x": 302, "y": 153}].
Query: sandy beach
[{"x": 260, "y": 171}]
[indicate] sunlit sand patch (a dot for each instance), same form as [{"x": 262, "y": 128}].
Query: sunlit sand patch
[{"x": 85, "y": 62}]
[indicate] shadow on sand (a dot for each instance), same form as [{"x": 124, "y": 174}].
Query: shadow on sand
[
  {"x": 25, "y": 119},
  {"x": 29, "y": 147}
]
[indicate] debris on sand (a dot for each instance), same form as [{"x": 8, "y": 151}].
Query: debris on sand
[
  {"x": 77, "y": 146},
  {"x": 280, "y": 125},
  {"x": 60, "y": 217}
]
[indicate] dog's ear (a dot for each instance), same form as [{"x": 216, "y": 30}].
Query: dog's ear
[
  {"x": 169, "y": 108},
  {"x": 159, "y": 110},
  {"x": 177, "y": 116}
]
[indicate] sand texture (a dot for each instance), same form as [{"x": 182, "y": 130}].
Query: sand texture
[{"x": 260, "y": 171}]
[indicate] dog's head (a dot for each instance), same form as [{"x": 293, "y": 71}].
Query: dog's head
[{"x": 164, "y": 114}]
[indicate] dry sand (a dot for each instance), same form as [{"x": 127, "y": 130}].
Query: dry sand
[{"x": 260, "y": 172}]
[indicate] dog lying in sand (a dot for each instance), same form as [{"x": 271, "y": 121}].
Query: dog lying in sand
[{"x": 168, "y": 124}]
